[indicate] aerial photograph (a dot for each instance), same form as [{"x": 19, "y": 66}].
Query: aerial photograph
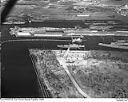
[{"x": 64, "y": 48}]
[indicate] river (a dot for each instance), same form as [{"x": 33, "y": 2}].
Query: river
[{"x": 18, "y": 74}]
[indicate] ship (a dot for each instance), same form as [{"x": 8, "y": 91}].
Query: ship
[
  {"x": 61, "y": 32},
  {"x": 120, "y": 44},
  {"x": 101, "y": 27},
  {"x": 71, "y": 46},
  {"x": 48, "y": 32},
  {"x": 10, "y": 22},
  {"x": 36, "y": 32}
]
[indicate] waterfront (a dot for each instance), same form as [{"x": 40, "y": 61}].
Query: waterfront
[{"x": 18, "y": 75}]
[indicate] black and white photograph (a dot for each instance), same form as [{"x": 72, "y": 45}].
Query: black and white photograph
[{"x": 64, "y": 49}]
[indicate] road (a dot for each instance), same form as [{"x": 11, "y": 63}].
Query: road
[{"x": 62, "y": 62}]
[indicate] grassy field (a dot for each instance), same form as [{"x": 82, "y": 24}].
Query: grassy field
[
  {"x": 53, "y": 75},
  {"x": 104, "y": 75},
  {"x": 99, "y": 74}
]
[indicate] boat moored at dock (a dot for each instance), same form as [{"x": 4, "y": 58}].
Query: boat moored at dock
[{"x": 61, "y": 32}]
